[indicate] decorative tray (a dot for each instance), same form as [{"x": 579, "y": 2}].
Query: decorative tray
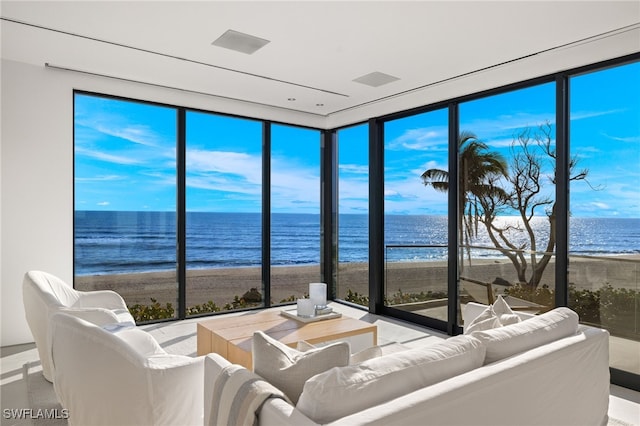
[{"x": 291, "y": 313}]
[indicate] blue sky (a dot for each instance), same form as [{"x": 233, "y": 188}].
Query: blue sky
[
  {"x": 126, "y": 160},
  {"x": 604, "y": 137},
  {"x": 125, "y": 153}
]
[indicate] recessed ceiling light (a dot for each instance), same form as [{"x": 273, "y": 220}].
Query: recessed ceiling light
[
  {"x": 291, "y": 99},
  {"x": 240, "y": 42},
  {"x": 319, "y": 104},
  {"x": 376, "y": 79}
]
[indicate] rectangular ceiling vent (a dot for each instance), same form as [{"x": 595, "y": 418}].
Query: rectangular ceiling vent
[
  {"x": 240, "y": 42},
  {"x": 376, "y": 79}
]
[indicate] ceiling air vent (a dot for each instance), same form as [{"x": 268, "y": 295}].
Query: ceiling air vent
[
  {"x": 240, "y": 42},
  {"x": 376, "y": 79}
]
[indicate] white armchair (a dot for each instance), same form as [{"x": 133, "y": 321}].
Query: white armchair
[
  {"x": 43, "y": 294},
  {"x": 122, "y": 377}
]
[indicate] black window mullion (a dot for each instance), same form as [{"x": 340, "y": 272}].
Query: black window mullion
[
  {"x": 328, "y": 211},
  {"x": 266, "y": 212},
  {"x": 181, "y": 214},
  {"x": 453, "y": 290},
  {"x": 562, "y": 190},
  {"x": 376, "y": 216}
]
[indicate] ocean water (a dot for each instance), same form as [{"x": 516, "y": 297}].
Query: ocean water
[{"x": 124, "y": 242}]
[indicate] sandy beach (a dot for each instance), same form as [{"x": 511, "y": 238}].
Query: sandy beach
[{"x": 222, "y": 285}]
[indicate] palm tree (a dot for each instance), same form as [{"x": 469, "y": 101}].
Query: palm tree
[{"x": 478, "y": 170}]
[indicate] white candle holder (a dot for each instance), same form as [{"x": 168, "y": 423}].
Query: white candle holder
[
  {"x": 306, "y": 308},
  {"x": 318, "y": 294}
]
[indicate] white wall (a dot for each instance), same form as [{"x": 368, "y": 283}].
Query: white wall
[
  {"x": 37, "y": 185},
  {"x": 36, "y": 171}
]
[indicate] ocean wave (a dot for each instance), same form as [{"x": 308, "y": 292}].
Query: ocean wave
[{"x": 124, "y": 242}]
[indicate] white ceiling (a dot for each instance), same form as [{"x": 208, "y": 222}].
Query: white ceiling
[{"x": 437, "y": 49}]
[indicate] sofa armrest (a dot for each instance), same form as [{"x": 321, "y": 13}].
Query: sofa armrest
[
  {"x": 175, "y": 385},
  {"x": 213, "y": 365},
  {"x": 103, "y": 298},
  {"x": 275, "y": 411},
  {"x": 278, "y": 412}
]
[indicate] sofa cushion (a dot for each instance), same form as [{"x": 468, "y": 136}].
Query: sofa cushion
[
  {"x": 346, "y": 390},
  {"x": 287, "y": 368},
  {"x": 516, "y": 338},
  {"x": 365, "y": 355}
]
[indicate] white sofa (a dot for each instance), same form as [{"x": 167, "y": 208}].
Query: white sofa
[
  {"x": 122, "y": 377},
  {"x": 547, "y": 370},
  {"x": 43, "y": 294}
]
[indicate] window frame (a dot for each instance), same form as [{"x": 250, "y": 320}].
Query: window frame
[{"x": 329, "y": 201}]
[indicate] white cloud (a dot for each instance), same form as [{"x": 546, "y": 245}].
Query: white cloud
[
  {"x": 349, "y": 188},
  {"x": 495, "y": 128},
  {"x": 421, "y": 139},
  {"x": 628, "y": 139},
  {"x": 410, "y": 195},
  {"x": 222, "y": 183},
  {"x": 500, "y": 143},
  {"x": 138, "y": 134},
  {"x": 109, "y": 158},
  {"x": 581, "y": 115},
  {"x": 294, "y": 185},
  {"x": 354, "y": 168},
  {"x": 600, "y": 205},
  {"x": 432, "y": 164},
  {"x": 245, "y": 166},
  {"x": 100, "y": 121},
  {"x": 100, "y": 178}
]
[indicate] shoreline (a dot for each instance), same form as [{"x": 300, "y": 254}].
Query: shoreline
[
  {"x": 221, "y": 285},
  {"x": 624, "y": 257}
]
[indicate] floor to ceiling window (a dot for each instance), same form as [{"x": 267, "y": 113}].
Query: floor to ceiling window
[
  {"x": 127, "y": 196},
  {"x": 353, "y": 215},
  {"x": 506, "y": 201},
  {"x": 131, "y": 210},
  {"x": 604, "y": 237},
  {"x": 416, "y": 215},
  {"x": 224, "y": 213},
  {"x": 125, "y": 202},
  {"x": 295, "y": 211}
]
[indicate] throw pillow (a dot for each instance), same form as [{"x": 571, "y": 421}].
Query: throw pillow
[
  {"x": 485, "y": 321},
  {"x": 508, "y": 319},
  {"x": 497, "y": 315},
  {"x": 504, "y": 312},
  {"x": 287, "y": 368},
  {"x": 342, "y": 391},
  {"x": 358, "y": 357}
]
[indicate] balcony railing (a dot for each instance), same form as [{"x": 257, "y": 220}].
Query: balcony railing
[{"x": 604, "y": 290}]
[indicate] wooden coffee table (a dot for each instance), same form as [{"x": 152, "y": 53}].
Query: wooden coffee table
[{"x": 231, "y": 336}]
